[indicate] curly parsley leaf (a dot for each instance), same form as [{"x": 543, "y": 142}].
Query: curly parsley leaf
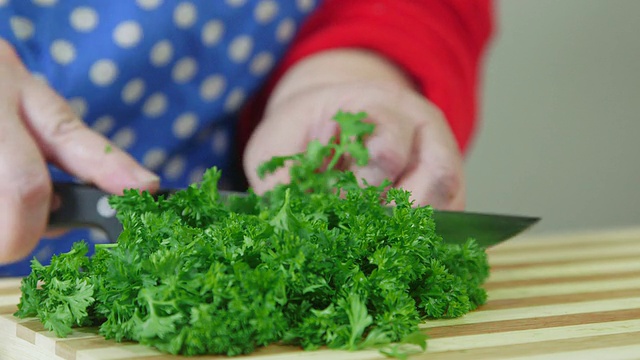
[{"x": 321, "y": 261}]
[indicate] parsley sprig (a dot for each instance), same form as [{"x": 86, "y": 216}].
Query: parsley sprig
[{"x": 321, "y": 261}]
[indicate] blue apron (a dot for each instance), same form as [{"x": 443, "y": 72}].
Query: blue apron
[{"x": 163, "y": 79}]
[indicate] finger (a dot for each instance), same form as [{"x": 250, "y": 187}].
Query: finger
[
  {"x": 66, "y": 141},
  {"x": 25, "y": 188},
  {"x": 436, "y": 177},
  {"x": 278, "y": 136},
  {"x": 389, "y": 150}
]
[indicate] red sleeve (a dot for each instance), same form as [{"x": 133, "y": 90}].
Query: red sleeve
[{"x": 440, "y": 43}]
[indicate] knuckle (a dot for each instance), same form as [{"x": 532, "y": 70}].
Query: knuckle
[
  {"x": 63, "y": 122},
  {"x": 436, "y": 113},
  {"x": 390, "y": 160},
  {"x": 49, "y": 112},
  {"x": 390, "y": 155},
  {"x": 26, "y": 191},
  {"x": 33, "y": 190},
  {"x": 66, "y": 124},
  {"x": 448, "y": 184}
]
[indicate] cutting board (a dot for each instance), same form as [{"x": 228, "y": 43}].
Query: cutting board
[{"x": 554, "y": 297}]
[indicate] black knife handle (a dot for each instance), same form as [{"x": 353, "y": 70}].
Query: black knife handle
[{"x": 84, "y": 206}]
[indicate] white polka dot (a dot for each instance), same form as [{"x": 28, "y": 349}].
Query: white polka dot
[
  {"x": 240, "y": 48},
  {"x": 45, "y": 2},
  {"x": 175, "y": 168},
  {"x": 98, "y": 236},
  {"x": 195, "y": 176},
  {"x": 185, "y": 14},
  {"x": 155, "y": 105},
  {"x": 305, "y": 5},
  {"x": 127, "y": 34},
  {"x": 234, "y": 100},
  {"x": 83, "y": 19},
  {"x": 103, "y": 124},
  {"x": 184, "y": 70},
  {"x": 103, "y": 72},
  {"x": 212, "y": 32},
  {"x": 21, "y": 27},
  {"x": 185, "y": 125},
  {"x": 124, "y": 138},
  {"x": 161, "y": 53},
  {"x": 154, "y": 158},
  {"x": 4, "y": 2},
  {"x": 265, "y": 11},
  {"x": 219, "y": 142},
  {"x": 285, "y": 30},
  {"x": 212, "y": 87},
  {"x": 149, "y": 4},
  {"x": 236, "y": 3},
  {"x": 133, "y": 91},
  {"x": 79, "y": 106},
  {"x": 63, "y": 52},
  {"x": 261, "y": 63},
  {"x": 104, "y": 209}
]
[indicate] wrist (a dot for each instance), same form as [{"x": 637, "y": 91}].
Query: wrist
[{"x": 334, "y": 67}]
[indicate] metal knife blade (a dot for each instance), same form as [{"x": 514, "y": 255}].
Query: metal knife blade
[
  {"x": 457, "y": 227},
  {"x": 85, "y": 206}
]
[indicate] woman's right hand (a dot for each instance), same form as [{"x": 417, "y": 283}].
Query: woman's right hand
[{"x": 38, "y": 126}]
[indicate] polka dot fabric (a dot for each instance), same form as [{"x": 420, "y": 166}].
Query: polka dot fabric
[{"x": 162, "y": 79}]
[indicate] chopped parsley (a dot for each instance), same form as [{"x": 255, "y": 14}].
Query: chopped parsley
[
  {"x": 108, "y": 149},
  {"x": 321, "y": 261}
]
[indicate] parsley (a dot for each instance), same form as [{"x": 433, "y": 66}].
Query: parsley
[
  {"x": 108, "y": 149},
  {"x": 322, "y": 261}
]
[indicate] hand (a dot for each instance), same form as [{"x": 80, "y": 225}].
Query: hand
[
  {"x": 37, "y": 127},
  {"x": 412, "y": 144}
]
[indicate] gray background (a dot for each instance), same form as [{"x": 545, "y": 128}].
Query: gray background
[{"x": 560, "y": 126}]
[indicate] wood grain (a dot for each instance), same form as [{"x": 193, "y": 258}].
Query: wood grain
[{"x": 555, "y": 297}]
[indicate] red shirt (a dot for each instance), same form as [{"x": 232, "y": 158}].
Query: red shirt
[{"x": 439, "y": 43}]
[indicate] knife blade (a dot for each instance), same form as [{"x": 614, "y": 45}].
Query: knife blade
[{"x": 85, "y": 206}]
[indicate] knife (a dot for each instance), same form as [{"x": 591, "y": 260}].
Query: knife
[{"x": 85, "y": 206}]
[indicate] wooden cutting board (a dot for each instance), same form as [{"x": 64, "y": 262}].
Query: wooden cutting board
[{"x": 564, "y": 297}]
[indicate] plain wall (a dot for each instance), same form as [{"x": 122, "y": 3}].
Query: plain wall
[{"x": 560, "y": 120}]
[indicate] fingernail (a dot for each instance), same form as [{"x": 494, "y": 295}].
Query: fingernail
[{"x": 146, "y": 177}]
